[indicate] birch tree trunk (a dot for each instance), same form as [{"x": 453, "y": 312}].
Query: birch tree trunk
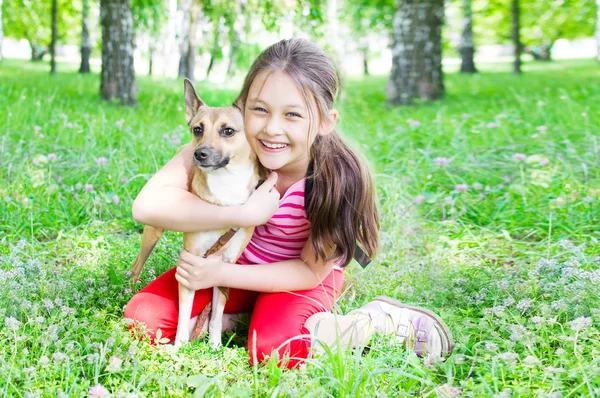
[
  {"x": 188, "y": 45},
  {"x": 238, "y": 29},
  {"x": 118, "y": 74},
  {"x": 86, "y": 44},
  {"x": 233, "y": 53},
  {"x": 516, "y": 36},
  {"x": 467, "y": 46},
  {"x": 416, "y": 52},
  {"x": 184, "y": 44},
  {"x": 151, "y": 51},
  {"x": 213, "y": 52},
  {"x": 1, "y": 31},
  {"x": 597, "y": 29},
  {"x": 54, "y": 37}
]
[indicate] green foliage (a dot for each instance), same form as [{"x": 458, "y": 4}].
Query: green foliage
[
  {"x": 510, "y": 260},
  {"x": 542, "y": 22},
  {"x": 149, "y": 15},
  {"x": 364, "y": 16},
  {"x": 31, "y": 20}
]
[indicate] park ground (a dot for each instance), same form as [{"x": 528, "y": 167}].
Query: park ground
[{"x": 490, "y": 204}]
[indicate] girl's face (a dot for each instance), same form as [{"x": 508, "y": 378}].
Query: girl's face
[{"x": 277, "y": 124}]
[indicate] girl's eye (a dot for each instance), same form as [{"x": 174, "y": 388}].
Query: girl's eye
[
  {"x": 293, "y": 114},
  {"x": 259, "y": 109},
  {"x": 228, "y": 132}
]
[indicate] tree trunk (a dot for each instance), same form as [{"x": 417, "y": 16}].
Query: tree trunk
[
  {"x": 416, "y": 52},
  {"x": 151, "y": 51},
  {"x": 86, "y": 43},
  {"x": 234, "y": 49},
  {"x": 213, "y": 53},
  {"x": 1, "y": 31},
  {"x": 543, "y": 52},
  {"x": 597, "y": 29},
  {"x": 189, "y": 43},
  {"x": 118, "y": 74},
  {"x": 54, "y": 36},
  {"x": 467, "y": 46},
  {"x": 184, "y": 44},
  {"x": 516, "y": 36},
  {"x": 37, "y": 52},
  {"x": 365, "y": 54}
]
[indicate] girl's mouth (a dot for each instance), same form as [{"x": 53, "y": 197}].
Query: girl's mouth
[{"x": 272, "y": 146}]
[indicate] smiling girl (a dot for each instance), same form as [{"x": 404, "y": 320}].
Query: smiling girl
[{"x": 318, "y": 202}]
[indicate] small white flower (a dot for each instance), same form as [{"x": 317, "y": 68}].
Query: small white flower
[
  {"x": 491, "y": 346},
  {"x": 581, "y": 323},
  {"x": 537, "y": 320},
  {"x": 12, "y": 323},
  {"x": 531, "y": 360}
]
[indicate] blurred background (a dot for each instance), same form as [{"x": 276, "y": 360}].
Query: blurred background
[{"x": 218, "y": 39}]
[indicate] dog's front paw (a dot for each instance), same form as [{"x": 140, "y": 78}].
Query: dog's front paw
[{"x": 215, "y": 341}]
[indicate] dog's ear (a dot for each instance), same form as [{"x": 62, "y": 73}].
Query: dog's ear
[{"x": 192, "y": 101}]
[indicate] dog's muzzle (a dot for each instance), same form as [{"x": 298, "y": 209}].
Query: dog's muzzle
[{"x": 206, "y": 157}]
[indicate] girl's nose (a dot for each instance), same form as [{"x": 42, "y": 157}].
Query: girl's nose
[{"x": 273, "y": 126}]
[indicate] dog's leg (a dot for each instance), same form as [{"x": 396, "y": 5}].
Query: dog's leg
[
  {"x": 186, "y": 300},
  {"x": 221, "y": 294},
  {"x": 150, "y": 237},
  {"x": 215, "y": 326}
]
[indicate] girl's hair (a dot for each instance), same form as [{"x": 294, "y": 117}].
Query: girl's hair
[{"x": 341, "y": 206}]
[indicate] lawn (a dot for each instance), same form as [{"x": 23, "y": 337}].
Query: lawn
[{"x": 490, "y": 204}]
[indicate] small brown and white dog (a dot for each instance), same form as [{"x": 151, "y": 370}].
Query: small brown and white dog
[{"x": 226, "y": 173}]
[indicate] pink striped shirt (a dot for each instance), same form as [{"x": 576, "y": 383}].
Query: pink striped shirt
[{"x": 283, "y": 237}]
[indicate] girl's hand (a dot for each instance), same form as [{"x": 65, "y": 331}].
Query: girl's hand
[
  {"x": 196, "y": 272},
  {"x": 262, "y": 204}
]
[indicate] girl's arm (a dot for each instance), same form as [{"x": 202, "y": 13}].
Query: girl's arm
[
  {"x": 165, "y": 201},
  {"x": 305, "y": 273}
]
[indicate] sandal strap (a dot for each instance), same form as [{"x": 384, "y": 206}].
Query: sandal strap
[{"x": 423, "y": 326}]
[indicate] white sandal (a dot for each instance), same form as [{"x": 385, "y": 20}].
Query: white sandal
[{"x": 421, "y": 330}]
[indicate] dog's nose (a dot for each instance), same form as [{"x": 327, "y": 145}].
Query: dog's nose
[{"x": 201, "y": 154}]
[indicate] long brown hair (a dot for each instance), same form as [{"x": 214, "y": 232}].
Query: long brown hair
[{"x": 341, "y": 206}]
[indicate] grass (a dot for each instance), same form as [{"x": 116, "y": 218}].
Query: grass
[{"x": 489, "y": 200}]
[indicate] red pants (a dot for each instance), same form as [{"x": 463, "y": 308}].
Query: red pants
[{"x": 277, "y": 319}]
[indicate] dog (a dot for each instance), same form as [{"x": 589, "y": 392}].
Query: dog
[{"x": 226, "y": 172}]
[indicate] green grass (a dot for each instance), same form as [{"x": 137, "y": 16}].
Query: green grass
[{"x": 511, "y": 264}]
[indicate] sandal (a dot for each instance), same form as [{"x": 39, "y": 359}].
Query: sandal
[{"x": 421, "y": 330}]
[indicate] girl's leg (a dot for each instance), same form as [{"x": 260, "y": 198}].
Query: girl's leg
[
  {"x": 278, "y": 320},
  {"x": 157, "y": 305}
]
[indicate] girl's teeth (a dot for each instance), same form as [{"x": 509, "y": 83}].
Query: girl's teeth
[{"x": 274, "y": 146}]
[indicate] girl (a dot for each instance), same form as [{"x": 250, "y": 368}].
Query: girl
[{"x": 311, "y": 211}]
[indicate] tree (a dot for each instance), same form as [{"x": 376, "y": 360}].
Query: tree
[
  {"x": 367, "y": 18},
  {"x": 188, "y": 45},
  {"x": 516, "y": 35},
  {"x": 149, "y": 17},
  {"x": 467, "y": 46},
  {"x": 54, "y": 37},
  {"x": 417, "y": 52},
  {"x": 118, "y": 74},
  {"x": 86, "y": 43},
  {"x": 27, "y": 19},
  {"x": 541, "y": 23}
]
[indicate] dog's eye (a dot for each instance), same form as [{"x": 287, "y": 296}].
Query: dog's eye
[
  {"x": 198, "y": 130},
  {"x": 228, "y": 132}
]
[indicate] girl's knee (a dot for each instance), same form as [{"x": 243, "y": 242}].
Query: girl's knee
[
  {"x": 146, "y": 314},
  {"x": 290, "y": 351}
]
